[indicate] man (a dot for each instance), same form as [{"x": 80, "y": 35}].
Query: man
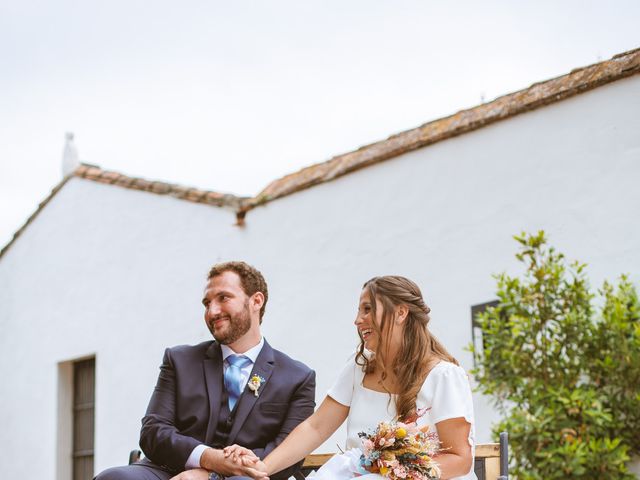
[{"x": 236, "y": 389}]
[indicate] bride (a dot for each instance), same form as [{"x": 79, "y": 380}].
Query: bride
[{"x": 399, "y": 371}]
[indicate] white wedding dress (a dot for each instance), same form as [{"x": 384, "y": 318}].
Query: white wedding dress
[{"x": 445, "y": 394}]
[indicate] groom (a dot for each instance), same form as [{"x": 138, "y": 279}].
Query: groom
[{"x": 236, "y": 389}]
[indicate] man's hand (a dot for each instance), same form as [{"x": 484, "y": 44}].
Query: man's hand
[
  {"x": 215, "y": 460},
  {"x": 253, "y": 466},
  {"x": 195, "y": 474},
  {"x": 240, "y": 454}
]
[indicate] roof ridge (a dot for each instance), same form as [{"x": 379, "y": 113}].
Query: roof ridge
[
  {"x": 538, "y": 94},
  {"x": 96, "y": 174},
  {"x": 191, "y": 194}
]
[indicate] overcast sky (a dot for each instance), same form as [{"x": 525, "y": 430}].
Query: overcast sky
[{"x": 228, "y": 96}]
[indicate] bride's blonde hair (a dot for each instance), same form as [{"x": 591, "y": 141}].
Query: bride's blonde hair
[{"x": 419, "y": 350}]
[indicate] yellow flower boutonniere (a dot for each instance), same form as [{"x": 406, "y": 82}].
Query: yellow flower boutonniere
[{"x": 254, "y": 383}]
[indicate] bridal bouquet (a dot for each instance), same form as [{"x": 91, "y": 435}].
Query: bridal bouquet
[{"x": 400, "y": 451}]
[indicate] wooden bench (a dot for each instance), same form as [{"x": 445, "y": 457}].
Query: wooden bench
[{"x": 491, "y": 460}]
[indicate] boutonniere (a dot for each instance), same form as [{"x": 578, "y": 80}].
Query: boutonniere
[{"x": 254, "y": 384}]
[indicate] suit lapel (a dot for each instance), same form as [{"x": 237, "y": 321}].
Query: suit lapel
[
  {"x": 212, "y": 367},
  {"x": 264, "y": 368}
]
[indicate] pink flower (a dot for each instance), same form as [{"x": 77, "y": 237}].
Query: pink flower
[
  {"x": 367, "y": 445},
  {"x": 385, "y": 452},
  {"x": 400, "y": 472}
]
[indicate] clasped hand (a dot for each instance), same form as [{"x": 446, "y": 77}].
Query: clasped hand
[
  {"x": 250, "y": 464},
  {"x": 232, "y": 461}
]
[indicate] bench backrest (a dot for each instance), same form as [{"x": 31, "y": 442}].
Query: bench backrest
[
  {"x": 487, "y": 463},
  {"x": 490, "y": 460}
]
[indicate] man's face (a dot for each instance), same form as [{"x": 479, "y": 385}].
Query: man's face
[{"x": 227, "y": 308}]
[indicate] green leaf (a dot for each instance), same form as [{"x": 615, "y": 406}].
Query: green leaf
[{"x": 562, "y": 363}]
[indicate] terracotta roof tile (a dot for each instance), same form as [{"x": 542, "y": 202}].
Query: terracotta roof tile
[
  {"x": 91, "y": 172},
  {"x": 109, "y": 177},
  {"x": 96, "y": 174},
  {"x": 536, "y": 96}
]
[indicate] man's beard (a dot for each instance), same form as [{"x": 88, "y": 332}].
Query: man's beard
[{"x": 237, "y": 326}]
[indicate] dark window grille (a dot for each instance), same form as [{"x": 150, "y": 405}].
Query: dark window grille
[{"x": 84, "y": 373}]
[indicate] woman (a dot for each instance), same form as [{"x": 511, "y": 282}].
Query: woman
[{"x": 399, "y": 371}]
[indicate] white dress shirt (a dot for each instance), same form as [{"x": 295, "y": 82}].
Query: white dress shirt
[{"x": 252, "y": 354}]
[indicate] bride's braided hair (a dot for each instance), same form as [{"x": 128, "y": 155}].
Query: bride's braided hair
[{"x": 419, "y": 350}]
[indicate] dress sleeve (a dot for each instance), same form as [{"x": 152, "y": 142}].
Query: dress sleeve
[
  {"x": 342, "y": 389},
  {"x": 451, "y": 395}
]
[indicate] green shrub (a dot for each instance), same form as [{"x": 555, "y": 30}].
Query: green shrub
[{"x": 563, "y": 367}]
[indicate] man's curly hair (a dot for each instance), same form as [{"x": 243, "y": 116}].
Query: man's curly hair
[{"x": 251, "y": 279}]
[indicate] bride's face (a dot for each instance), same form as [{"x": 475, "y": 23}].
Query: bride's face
[{"x": 364, "y": 321}]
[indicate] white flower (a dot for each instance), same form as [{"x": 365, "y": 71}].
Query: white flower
[{"x": 254, "y": 384}]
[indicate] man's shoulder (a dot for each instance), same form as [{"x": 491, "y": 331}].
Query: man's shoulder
[
  {"x": 190, "y": 350},
  {"x": 291, "y": 364}
]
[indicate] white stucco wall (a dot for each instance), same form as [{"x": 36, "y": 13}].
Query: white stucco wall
[
  {"x": 445, "y": 215},
  {"x": 119, "y": 273}
]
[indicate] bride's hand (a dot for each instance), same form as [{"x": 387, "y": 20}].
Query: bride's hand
[
  {"x": 240, "y": 454},
  {"x": 257, "y": 471},
  {"x": 251, "y": 465}
]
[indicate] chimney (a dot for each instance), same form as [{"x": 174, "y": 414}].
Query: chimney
[{"x": 70, "y": 160}]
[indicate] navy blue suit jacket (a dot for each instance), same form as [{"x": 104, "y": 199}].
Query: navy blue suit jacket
[{"x": 185, "y": 405}]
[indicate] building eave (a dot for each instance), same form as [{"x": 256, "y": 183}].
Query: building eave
[
  {"x": 98, "y": 175},
  {"x": 538, "y": 95}
]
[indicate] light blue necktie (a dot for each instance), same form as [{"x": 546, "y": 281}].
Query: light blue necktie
[{"x": 233, "y": 377}]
